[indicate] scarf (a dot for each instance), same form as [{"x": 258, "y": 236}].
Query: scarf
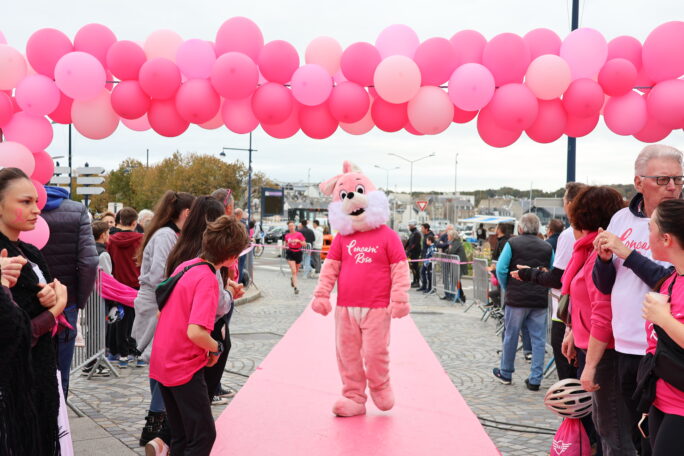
[{"x": 581, "y": 251}]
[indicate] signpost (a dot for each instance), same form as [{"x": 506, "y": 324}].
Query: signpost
[
  {"x": 88, "y": 176},
  {"x": 421, "y": 205}
]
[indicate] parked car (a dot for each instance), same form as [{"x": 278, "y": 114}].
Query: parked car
[{"x": 276, "y": 234}]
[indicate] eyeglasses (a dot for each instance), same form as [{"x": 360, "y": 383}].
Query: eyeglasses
[{"x": 664, "y": 180}]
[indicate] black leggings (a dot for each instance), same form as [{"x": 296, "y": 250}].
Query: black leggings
[{"x": 665, "y": 433}]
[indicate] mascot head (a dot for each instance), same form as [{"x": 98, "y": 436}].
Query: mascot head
[{"x": 357, "y": 205}]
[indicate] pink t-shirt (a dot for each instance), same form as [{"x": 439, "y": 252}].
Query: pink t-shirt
[
  {"x": 366, "y": 257},
  {"x": 175, "y": 359},
  {"x": 668, "y": 398},
  {"x": 291, "y": 239}
]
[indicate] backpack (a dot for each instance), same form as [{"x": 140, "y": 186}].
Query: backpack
[
  {"x": 164, "y": 289},
  {"x": 571, "y": 439}
]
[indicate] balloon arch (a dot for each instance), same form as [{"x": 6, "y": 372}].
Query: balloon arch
[{"x": 539, "y": 83}]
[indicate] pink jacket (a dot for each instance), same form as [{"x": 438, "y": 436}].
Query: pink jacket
[{"x": 590, "y": 309}]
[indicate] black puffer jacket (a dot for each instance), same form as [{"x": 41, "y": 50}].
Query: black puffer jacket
[{"x": 70, "y": 253}]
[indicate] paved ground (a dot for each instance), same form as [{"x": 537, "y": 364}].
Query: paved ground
[{"x": 466, "y": 347}]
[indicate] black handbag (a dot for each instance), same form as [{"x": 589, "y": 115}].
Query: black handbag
[
  {"x": 563, "y": 311},
  {"x": 164, "y": 289}
]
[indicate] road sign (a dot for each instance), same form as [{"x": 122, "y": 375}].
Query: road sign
[
  {"x": 421, "y": 205},
  {"x": 62, "y": 170},
  {"x": 89, "y": 190},
  {"x": 60, "y": 180},
  {"x": 89, "y": 170},
  {"x": 94, "y": 180}
]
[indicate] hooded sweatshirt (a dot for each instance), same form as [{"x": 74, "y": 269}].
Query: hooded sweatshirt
[{"x": 123, "y": 247}]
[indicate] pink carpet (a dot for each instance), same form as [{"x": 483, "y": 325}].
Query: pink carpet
[{"x": 285, "y": 406}]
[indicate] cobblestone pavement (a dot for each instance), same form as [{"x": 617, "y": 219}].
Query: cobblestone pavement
[{"x": 465, "y": 346}]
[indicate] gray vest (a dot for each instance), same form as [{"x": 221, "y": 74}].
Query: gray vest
[{"x": 531, "y": 251}]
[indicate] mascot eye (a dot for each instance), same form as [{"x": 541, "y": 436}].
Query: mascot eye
[
  {"x": 343, "y": 194},
  {"x": 360, "y": 189}
]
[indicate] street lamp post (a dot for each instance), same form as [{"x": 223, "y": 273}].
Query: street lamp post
[
  {"x": 387, "y": 170},
  {"x": 249, "y": 173},
  {"x": 411, "y": 162}
]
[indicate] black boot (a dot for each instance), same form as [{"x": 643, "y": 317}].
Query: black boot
[
  {"x": 153, "y": 426},
  {"x": 165, "y": 431}
]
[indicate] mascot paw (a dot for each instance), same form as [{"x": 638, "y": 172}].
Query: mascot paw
[
  {"x": 383, "y": 399},
  {"x": 321, "y": 306},
  {"x": 347, "y": 407},
  {"x": 399, "y": 309}
]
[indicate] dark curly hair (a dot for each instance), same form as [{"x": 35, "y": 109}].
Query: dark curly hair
[{"x": 594, "y": 206}]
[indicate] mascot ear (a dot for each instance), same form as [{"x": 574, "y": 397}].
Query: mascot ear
[
  {"x": 328, "y": 186},
  {"x": 349, "y": 167}
]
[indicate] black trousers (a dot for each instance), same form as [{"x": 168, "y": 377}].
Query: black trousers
[
  {"x": 189, "y": 413},
  {"x": 563, "y": 367},
  {"x": 628, "y": 366},
  {"x": 120, "y": 341},
  {"x": 415, "y": 270},
  {"x": 665, "y": 433},
  {"x": 213, "y": 374}
]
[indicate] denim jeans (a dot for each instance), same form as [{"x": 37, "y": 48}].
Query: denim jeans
[
  {"x": 157, "y": 401},
  {"x": 536, "y": 321},
  {"x": 65, "y": 347},
  {"x": 306, "y": 262}
]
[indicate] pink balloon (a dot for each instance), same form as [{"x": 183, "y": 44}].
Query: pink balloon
[
  {"x": 32, "y": 131},
  {"x": 16, "y": 155},
  {"x": 507, "y": 57},
  {"x": 461, "y": 116},
  {"x": 361, "y": 127},
  {"x": 42, "y": 194},
  {"x": 39, "y": 236},
  {"x": 662, "y": 52},
  {"x": 514, "y": 107},
  {"x": 124, "y": 59},
  {"x": 196, "y": 101},
  {"x": 272, "y": 103},
  {"x": 358, "y": 63},
  {"x": 44, "y": 49},
  {"x": 437, "y": 59},
  {"x": 237, "y": 115},
  {"x": 576, "y": 127},
  {"x": 397, "y": 79},
  {"x": 317, "y": 122},
  {"x": 44, "y": 168},
  {"x": 95, "y": 118},
  {"x": 542, "y": 41},
  {"x": 430, "y": 111},
  {"x": 165, "y": 120},
  {"x": 548, "y": 76},
  {"x": 195, "y": 58},
  {"x": 241, "y": 35},
  {"x": 389, "y": 117},
  {"x": 129, "y": 100},
  {"x": 550, "y": 122},
  {"x": 234, "y": 76},
  {"x": 349, "y": 102},
  {"x": 80, "y": 76},
  {"x": 160, "y": 78},
  {"x": 6, "y": 109},
  {"x": 62, "y": 113},
  {"x": 286, "y": 129},
  {"x": 411, "y": 129},
  {"x": 397, "y": 39},
  {"x": 326, "y": 52},
  {"x": 491, "y": 133},
  {"x": 278, "y": 60},
  {"x": 37, "y": 95},
  {"x": 617, "y": 77},
  {"x": 643, "y": 82},
  {"x": 139, "y": 124},
  {"x": 626, "y": 115},
  {"x": 162, "y": 44},
  {"x": 95, "y": 39},
  {"x": 585, "y": 50},
  {"x": 666, "y": 103},
  {"x": 14, "y": 67},
  {"x": 625, "y": 47},
  {"x": 469, "y": 46},
  {"x": 653, "y": 131},
  {"x": 3, "y": 40},
  {"x": 584, "y": 98},
  {"x": 215, "y": 122},
  {"x": 311, "y": 85}
]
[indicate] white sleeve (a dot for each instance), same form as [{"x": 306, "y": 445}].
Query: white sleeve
[{"x": 566, "y": 242}]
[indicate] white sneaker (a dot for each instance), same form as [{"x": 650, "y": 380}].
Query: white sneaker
[
  {"x": 218, "y": 400},
  {"x": 156, "y": 447}
]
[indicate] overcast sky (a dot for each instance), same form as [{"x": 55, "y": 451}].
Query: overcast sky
[{"x": 602, "y": 157}]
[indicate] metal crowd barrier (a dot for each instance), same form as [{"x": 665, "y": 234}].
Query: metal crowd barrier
[{"x": 446, "y": 272}]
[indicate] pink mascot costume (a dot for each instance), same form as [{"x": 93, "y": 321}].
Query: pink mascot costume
[{"x": 368, "y": 262}]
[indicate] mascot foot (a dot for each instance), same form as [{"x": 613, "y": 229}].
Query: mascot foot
[
  {"x": 383, "y": 399},
  {"x": 347, "y": 407}
]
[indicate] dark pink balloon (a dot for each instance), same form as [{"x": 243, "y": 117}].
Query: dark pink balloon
[
  {"x": 625, "y": 47},
  {"x": 35, "y": 132},
  {"x": 550, "y": 122},
  {"x": 584, "y": 98},
  {"x": 6, "y": 109},
  {"x": 196, "y": 101},
  {"x": 662, "y": 52},
  {"x": 653, "y": 131},
  {"x": 665, "y": 103},
  {"x": 576, "y": 127},
  {"x": 514, "y": 107},
  {"x": 389, "y": 117},
  {"x": 124, "y": 59},
  {"x": 160, "y": 78},
  {"x": 278, "y": 60},
  {"x": 272, "y": 103},
  {"x": 437, "y": 59},
  {"x": 461, "y": 116},
  {"x": 42, "y": 194},
  {"x": 469, "y": 46},
  {"x": 617, "y": 77},
  {"x": 316, "y": 121},
  {"x": 45, "y": 167},
  {"x": 286, "y": 129},
  {"x": 241, "y": 35},
  {"x": 165, "y": 120},
  {"x": 359, "y": 62},
  {"x": 491, "y": 133},
  {"x": 507, "y": 57},
  {"x": 542, "y": 41},
  {"x": 62, "y": 114},
  {"x": 234, "y": 76},
  {"x": 129, "y": 100},
  {"x": 95, "y": 39},
  {"x": 626, "y": 115},
  {"x": 411, "y": 129},
  {"x": 238, "y": 117},
  {"x": 45, "y": 47},
  {"x": 348, "y": 102}
]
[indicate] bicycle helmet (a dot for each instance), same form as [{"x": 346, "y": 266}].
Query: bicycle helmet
[{"x": 568, "y": 399}]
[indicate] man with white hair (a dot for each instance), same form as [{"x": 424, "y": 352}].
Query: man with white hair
[
  {"x": 144, "y": 217},
  {"x": 526, "y": 302},
  {"x": 623, "y": 247}
]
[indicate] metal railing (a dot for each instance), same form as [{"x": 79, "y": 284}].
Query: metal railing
[{"x": 446, "y": 273}]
